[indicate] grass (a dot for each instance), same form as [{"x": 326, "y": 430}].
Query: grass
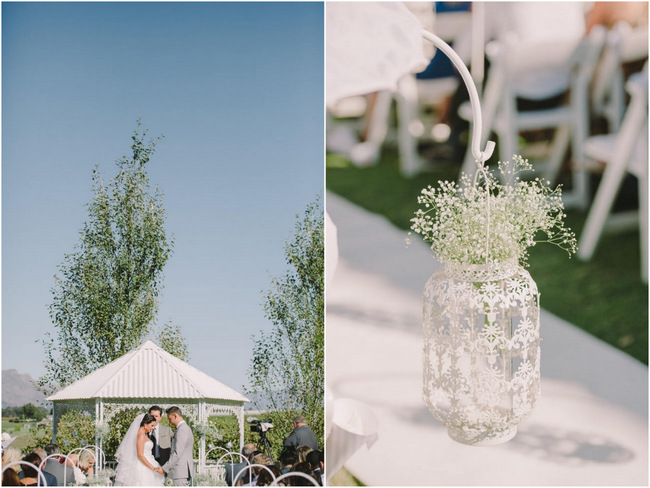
[
  {"x": 605, "y": 297},
  {"x": 23, "y": 434},
  {"x": 344, "y": 478}
]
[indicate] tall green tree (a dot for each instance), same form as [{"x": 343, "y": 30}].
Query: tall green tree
[
  {"x": 170, "y": 338},
  {"x": 105, "y": 295},
  {"x": 288, "y": 362}
]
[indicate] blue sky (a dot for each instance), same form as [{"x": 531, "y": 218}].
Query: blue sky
[{"x": 237, "y": 91}]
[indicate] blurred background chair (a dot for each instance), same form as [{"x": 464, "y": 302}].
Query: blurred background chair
[
  {"x": 623, "y": 152},
  {"x": 538, "y": 87},
  {"x": 625, "y": 45}
]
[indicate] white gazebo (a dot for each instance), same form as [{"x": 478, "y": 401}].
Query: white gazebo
[{"x": 149, "y": 376}]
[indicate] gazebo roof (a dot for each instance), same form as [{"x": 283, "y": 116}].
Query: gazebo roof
[{"x": 148, "y": 372}]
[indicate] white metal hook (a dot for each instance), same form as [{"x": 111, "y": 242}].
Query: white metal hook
[{"x": 479, "y": 156}]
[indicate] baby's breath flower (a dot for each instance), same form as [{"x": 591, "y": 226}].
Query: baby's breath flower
[{"x": 456, "y": 221}]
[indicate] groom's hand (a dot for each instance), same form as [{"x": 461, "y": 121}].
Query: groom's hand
[{"x": 159, "y": 470}]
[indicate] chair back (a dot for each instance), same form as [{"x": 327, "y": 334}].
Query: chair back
[
  {"x": 624, "y": 45},
  {"x": 39, "y": 474},
  {"x": 295, "y": 474}
]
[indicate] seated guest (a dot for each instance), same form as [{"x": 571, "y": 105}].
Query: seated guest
[
  {"x": 302, "y": 467},
  {"x": 56, "y": 467},
  {"x": 29, "y": 473},
  {"x": 302, "y": 452},
  {"x": 316, "y": 460},
  {"x": 265, "y": 478},
  {"x": 233, "y": 469},
  {"x": 87, "y": 463},
  {"x": 73, "y": 462},
  {"x": 262, "y": 459},
  {"x": 11, "y": 455},
  {"x": 10, "y": 478},
  {"x": 288, "y": 458},
  {"x": 50, "y": 479}
]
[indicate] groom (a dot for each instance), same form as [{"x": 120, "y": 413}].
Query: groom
[{"x": 180, "y": 467}]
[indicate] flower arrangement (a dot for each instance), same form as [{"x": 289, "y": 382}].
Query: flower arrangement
[
  {"x": 102, "y": 429},
  {"x": 492, "y": 222},
  {"x": 206, "y": 428},
  {"x": 205, "y": 479},
  {"x": 104, "y": 477}
]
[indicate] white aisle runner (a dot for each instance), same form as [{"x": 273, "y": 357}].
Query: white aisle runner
[{"x": 590, "y": 426}]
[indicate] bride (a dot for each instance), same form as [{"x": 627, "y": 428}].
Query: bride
[{"x": 136, "y": 464}]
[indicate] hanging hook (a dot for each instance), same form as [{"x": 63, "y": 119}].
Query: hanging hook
[{"x": 479, "y": 156}]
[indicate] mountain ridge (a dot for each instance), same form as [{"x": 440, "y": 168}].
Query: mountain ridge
[{"x": 18, "y": 390}]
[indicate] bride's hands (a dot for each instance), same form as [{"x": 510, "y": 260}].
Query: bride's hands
[{"x": 159, "y": 470}]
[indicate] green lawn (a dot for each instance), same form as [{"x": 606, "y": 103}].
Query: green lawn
[
  {"x": 21, "y": 430},
  {"x": 605, "y": 296}
]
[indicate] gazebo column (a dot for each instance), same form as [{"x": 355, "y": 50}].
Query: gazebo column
[
  {"x": 240, "y": 417},
  {"x": 53, "y": 422},
  {"x": 202, "y": 437},
  {"x": 99, "y": 419}
]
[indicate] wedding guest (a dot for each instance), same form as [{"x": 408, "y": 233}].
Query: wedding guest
[
  {"x": 87, "y": 463},
  {"x": 301, "y": 435},
  {"x": 73, "y": 462},
  {"x": 265, "y": 478},
  {"x": 50, "y": 479},
  {"x": 10, "y": 478},
  {"x": 302, "y": 452},
  {"x": 59, "y": 470},
  {"x": 288, "y": 458},
  {"x": 302, "y": 467},
  {"x": 262, "y": 459},
  {"x": 234, "y": 469},
  {"x": 29, "y": 473},
  {"x": 316, "y": 460},
  {"x": 11, "y": 455}
]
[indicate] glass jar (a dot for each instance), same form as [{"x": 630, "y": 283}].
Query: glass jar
[{"x": 481, "y": 350}]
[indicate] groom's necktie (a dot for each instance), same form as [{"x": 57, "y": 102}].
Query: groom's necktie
[{"x": 156, "y": 450}]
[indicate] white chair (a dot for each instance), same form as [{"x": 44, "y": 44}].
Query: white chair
[
  {"x": 624, "y": 45},
  {"x": 40, "y": 477},
  {"x": 624, "y": 152},
  {"x": 538, "y": 72}
]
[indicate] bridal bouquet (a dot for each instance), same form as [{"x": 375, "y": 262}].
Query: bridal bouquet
[{"x": 492, "y": 222}]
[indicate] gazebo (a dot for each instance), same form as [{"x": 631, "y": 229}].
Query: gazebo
[{"x": 148, "y": 376}]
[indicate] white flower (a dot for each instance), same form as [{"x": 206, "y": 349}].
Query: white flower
[{"x": 492, "y": 222}]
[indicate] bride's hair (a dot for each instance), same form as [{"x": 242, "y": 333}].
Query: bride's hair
[{"x": 147, "y": 419}]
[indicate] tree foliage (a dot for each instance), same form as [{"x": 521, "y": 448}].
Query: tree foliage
[
  {"x": 105, "y": 295},
  {"x": 27, "y": 411},
  {"x": 170, "y": 339},
  {"x": 287, "y": 365}
]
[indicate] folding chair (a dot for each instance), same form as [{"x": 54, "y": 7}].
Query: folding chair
[{"x": 625, "y": 151}]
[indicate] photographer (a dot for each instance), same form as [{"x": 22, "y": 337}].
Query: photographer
[{"x": 301, "y": 435}]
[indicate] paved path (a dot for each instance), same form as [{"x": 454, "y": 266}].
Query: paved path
[{"x": 590, "y": 426}]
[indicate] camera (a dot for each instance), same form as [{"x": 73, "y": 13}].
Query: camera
[{"x": 260, "y": 426}]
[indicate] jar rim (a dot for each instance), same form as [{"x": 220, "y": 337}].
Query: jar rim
[{"x": 482, "y": 272}]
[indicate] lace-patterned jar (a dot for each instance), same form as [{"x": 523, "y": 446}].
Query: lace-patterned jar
[{"x": 481, "y": 350}]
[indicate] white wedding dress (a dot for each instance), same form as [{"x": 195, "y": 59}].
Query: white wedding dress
[{"x": 130, "y": 470}]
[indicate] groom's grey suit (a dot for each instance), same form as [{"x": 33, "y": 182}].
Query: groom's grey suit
[{"x": 180, "y": 466}]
